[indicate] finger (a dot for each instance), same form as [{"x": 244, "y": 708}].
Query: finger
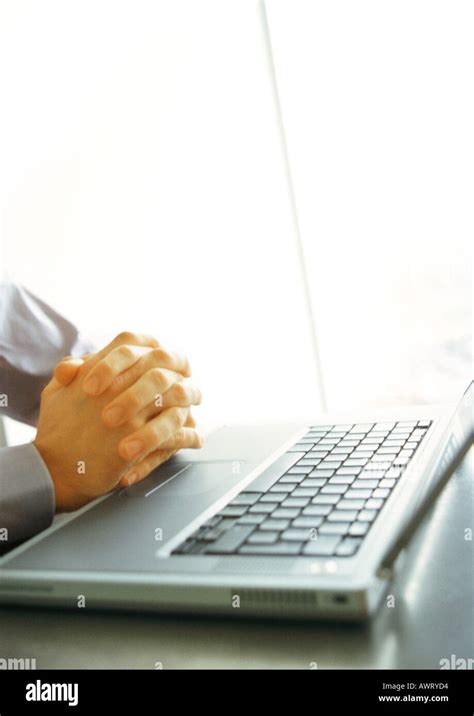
[
  {"x": 190, "y": 422},
  {"x": 142, "y": 469},
  {"x": 184, "y": 438},
  {"x": 67, "y": 370},
  {"x": 180, "y": 395},
  {"x": 150, "y": 436},
  {"x": 155, "y": 358},
  {"x": 105, "y": 370},
  {"x": 149, "y": 387},
  {"x": 124, "y": 338}
]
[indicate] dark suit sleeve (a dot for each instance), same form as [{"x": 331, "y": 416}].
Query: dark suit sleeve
[{"x": 26, "y": 494}]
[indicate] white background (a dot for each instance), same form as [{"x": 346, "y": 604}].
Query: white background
[{"x": 142, "y": 187}]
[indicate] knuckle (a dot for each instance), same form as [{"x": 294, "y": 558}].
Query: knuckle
[
  {"x": 157, "y": 376},
  {"x": 180, "y": 438},
  {"x": 180, "y": 392},
  {"x": 187, "y": 366},
  {"x": 125, "y": 337},
  {"x": 126, "y": 351},
  {"x": 159, "y": 355},
  {"x": 131, "y": 402}
]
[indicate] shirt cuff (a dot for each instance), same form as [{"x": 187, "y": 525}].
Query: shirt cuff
[{"x": 27, "y": 502}]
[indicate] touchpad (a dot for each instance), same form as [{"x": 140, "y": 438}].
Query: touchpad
[{"x": 192, "y": 478}]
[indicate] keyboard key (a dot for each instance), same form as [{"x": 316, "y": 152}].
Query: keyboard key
[
  {"x": 324, "y": 500},
  {"x": 342, "y": 515},
  {"x": 209, "y": 535},
  {"x": 352, "y": 462},
  {"x": 274, "y": 525},
  {"x": 263, "y": 508},
  {"x": 279, "y": 548},
  {"x": 233, "y": 511},
  {"x": 348, "y": 547},
  {"x": 313, "y": 482},
  {"x": 357, "y": 494},
  {"x": 330, "y": 464},
  {"x": 231, "y": 540},
  {"x": 367, "y": 515},
  {"x": 372, "y": 475},
  {"x": 338, "y": 433},
  {"x": 300, "y": 469},
  {"x": 354, "y": 471},
  {"x": 365, "y": 484},
  {"x": 318, "y": 454},
  {"x": 342, "y": 428},
  {"x": 405, "y": 453},
  {"x": 279, "y": 488},
  {"x": 424, "y": 423},
  {"x": 288, "y": 480},
  {"x": 295, "y": 502},
  {"x": 342, "y": 479},
  {"x": 362, "y": 427},
  {"x": 245, "y": 498},
  {"x": 384, "y": 426},
  {"x": 393, "y": 443},
  {"x": 333, "y": 489},
  {"x": 341, "y": 451},
  {"x": 384, "y": 457},
  {"x": 393, "y": 472},
  {"x": 348, "y": 443},
  {"x": 362, "y": 454},
  {"x": 309, "y": 462},
  {"x": 274, "y": 497},
  {"x": 350, "y": 504},
  {"x": 334, "y": 528},
  {"x": 307, "y": 521},
  {"x": 411, "y": 445},
  {"x": 321, "y": 473},
  {"x": 324, "y": 545},
  {"x": 304, "y": 492},
  {"x": 212, "y": 521},
  {"x": 359, "y": 529},
  {"x": 381, "y": 493},
  {"x": 251, "y": 519},
  {"x": 373, "y": 504},
  {"x": 392, "y": 452},
  {"x": 387, "y": 483},
  {"x": 317, "y": 510},
  {"x": 285, "y": 513},
  {"x": 407, "y": 424},
  {"x": 324, "y": 428},
  {"x": 263, "y": 538},
  {"x": 378, "y": 465},
  {"x": 401, "y": 461},
  {"x": 292, "y": 535}
]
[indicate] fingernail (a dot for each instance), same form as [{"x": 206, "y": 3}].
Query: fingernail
[
  {"x": 132, "y": 447},
  {"x": 131, "y": 478},
  {"x": 91, "y": 385},
  {"x": 114, "y": 415}
]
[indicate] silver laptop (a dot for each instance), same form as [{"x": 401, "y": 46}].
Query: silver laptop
[
  {"x": 288, "y": 521},
  {"x": 303, "y": 520}
]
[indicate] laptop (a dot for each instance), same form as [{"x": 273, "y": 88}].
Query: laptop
[{"x": 305, "y": 521}]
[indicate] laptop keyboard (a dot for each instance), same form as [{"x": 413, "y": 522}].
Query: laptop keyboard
[{"x": 318, "y": 499}]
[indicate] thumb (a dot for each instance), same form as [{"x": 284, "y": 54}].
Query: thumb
[{"x": 67, "y": 370}]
